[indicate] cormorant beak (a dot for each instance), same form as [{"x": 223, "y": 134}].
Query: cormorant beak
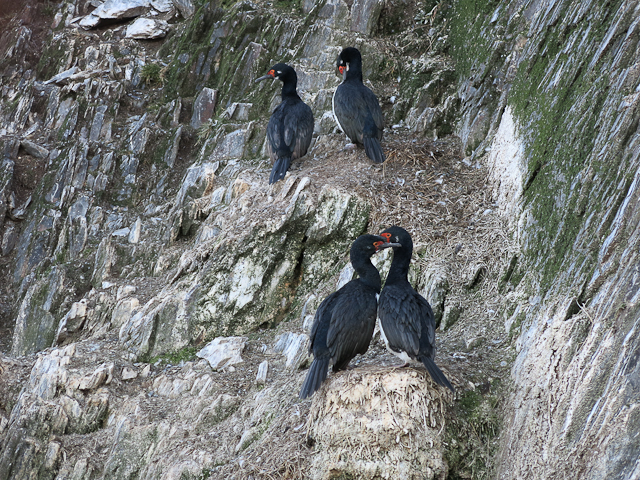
[
  {"x": 382, "y": 245},
  {"x": 265, "y": 77}
]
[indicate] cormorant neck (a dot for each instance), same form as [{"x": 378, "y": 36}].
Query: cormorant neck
[
  {"x": 399, "y": 270},
  {"x": 369, "y": 274},
  {"x": 355, "y": 70},
  {"x": 289, "y": 88}
]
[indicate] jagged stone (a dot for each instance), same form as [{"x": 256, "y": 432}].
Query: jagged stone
[
  {"x": 121, "y": 9},
  {"x": 129, "y": 373},
  {"x": 435, "y": 289},
  {"x": 294, "y": 346},
  {"x": 72, "y": 321},
  {"x": 35, "y": 324},
  {"x": 147, "y": 29},
  {"x": 135, "y": 229},
  {"x": 123, "y": 311},
  {"x": 94, "y": 380},
  {"x": 364, "y": 15},
  {"x": 238, "y": 112},
  {"x": 263, "y": 369},
  {"x": 90, "y": 21},
  {"x": 34, "y": 149},
  {"x": 172, "y": 153},
  {"x": 163, "y": 6},
  {"x": 223, "y": 352},
  {"x": 6, "y": 177},
  {"x": 9, "y": 238},
  {"x": 63, "y": 77},
  {"x": 203, "y": 107},
  {"x": 185, "y": 7}
]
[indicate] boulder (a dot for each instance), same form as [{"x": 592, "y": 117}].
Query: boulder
[
  {"x": 223, "y": 352},
  {"x": 203, "y": 106},
  {"x": 147, "y": 29}
]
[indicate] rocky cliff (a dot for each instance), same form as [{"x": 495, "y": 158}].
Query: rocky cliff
[{"x": 137, "y": 226}]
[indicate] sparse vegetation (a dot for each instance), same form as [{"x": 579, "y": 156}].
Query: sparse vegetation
[{"x": 151, "y": 74}]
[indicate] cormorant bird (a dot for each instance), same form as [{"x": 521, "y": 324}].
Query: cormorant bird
[
  {"x": 356, "y": 107},
  {"x": 406, "y": 318},
  {"x": 345, "y": 320},
  {"x": 290, "y": 126}
]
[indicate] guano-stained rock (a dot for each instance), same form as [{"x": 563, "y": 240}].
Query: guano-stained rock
[
  {"x": 223, "y": 352},
  {"x": 147, "y": 29}
]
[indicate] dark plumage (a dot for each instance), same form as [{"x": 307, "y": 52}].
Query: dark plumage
[
  {"x": 406, "y": 318},
  {"x": 356, "y": 107},
  {"x": 291, "y": 124},
  {"x": 345, "y": 320}
]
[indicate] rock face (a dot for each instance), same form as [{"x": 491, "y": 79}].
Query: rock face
[
  {"x": 137, "y": 225},
  {"x": 575, "y": 219}
]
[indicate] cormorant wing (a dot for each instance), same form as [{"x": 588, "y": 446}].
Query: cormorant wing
[
  {"x": 298, "y": 128},
  {"x": 275, "y": 135},
  {"x": 352, "y": 323},
  {"x": 355, "y": 108},
  {"x": 322, "y": 320},
  {"x": 401, "y": 313}
]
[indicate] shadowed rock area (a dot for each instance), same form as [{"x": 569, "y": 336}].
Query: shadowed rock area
[{"x": 156, "y": 293}]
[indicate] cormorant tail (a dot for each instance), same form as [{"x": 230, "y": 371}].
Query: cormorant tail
[
  {"x": 279, "y": 169},
  {"x": 436, "y": 373},
  {"x": 317, "y": 374},
  {"x": 373, "y": 149}
]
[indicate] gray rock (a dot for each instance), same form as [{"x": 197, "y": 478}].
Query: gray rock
[
  {"x": 19, "y": 212},
  {"x": 79, "y": 208},
  {"x": 238, "y": 112},
  {"x": 196, "y": 181},
  {"x": 96, "y": 125},
  {"x": 6, "y": 177},
  {"x": 9, "y": 238},
  {"x": 261, "y": 377},
  {"x": 450, "y": 316},
  {"x": 35, "y": 323},
  {"x": 364, "y": 15},
  {"x": 123, "y": 311},
  {"x": 223, "y": 352},
  {"x": 163, "y": 6},
  {"x": 232, "y": 145},
  {"x": 172, "y": 153},
  {"x": 203, "y": 106},
  {"x": 134, "y": 234},
  {"x": 185, "y": 7},
  {"x": 63, "y": 77},
  {"x": 147, "y": 29},
  {"x": 34, "y": 149},
  {"x": 121, "y": 9},
  {"x": 89, "y": 21},
  {"x": 435, "y": 290},
  {"x": 294, "y": 346}
]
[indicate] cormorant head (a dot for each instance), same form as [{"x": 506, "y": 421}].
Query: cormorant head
[
  {"x": 280, "y": 71},
  {"x": 368, "y": 245},
  {"x": 348, "y": 56},
  {"x": 398, "y": 236}
]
